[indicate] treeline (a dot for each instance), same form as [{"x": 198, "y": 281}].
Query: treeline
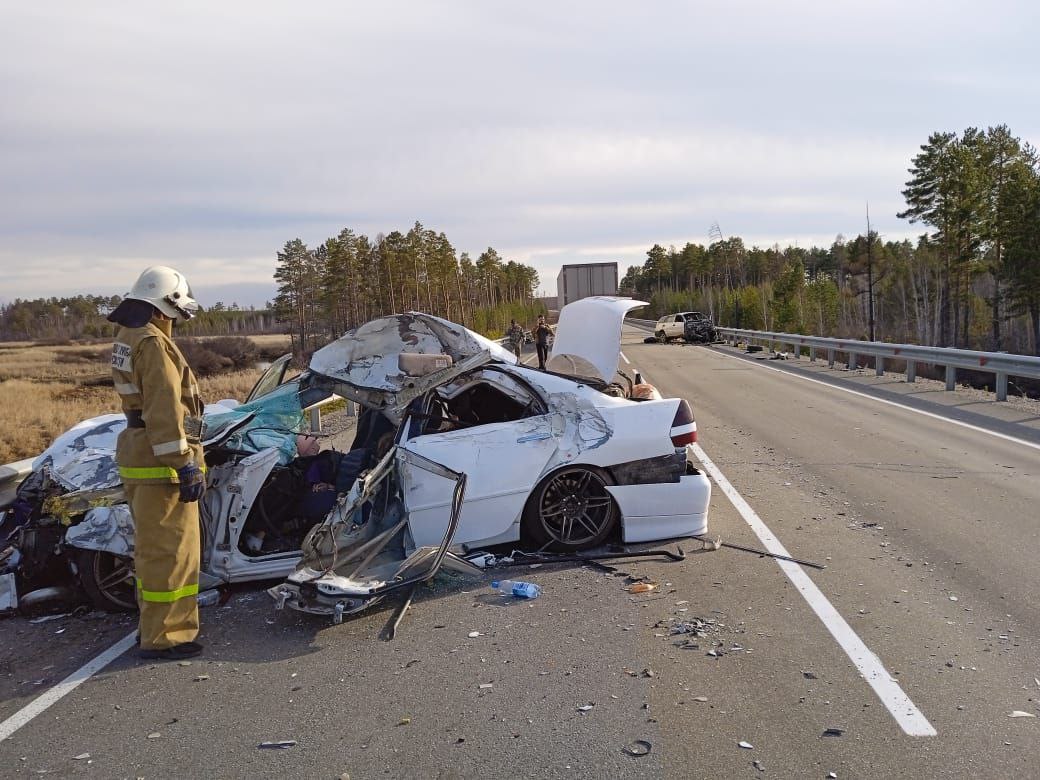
[
  {"x": 350, "y": 279},
  {"x": 973, "y": 282},
  {"x": 83, "y": 317}
]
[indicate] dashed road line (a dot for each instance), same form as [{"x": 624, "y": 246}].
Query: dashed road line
[{"x": 66, "y": 686}]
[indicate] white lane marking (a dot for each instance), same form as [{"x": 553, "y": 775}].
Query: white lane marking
[
  {"x": 625, "y": 358},
  {"x": 933, "y": 415},
  {"x": 910, "y": 719},
  {"x": 66, "y": 686}
]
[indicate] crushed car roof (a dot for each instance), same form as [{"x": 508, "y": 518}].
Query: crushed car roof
[{"x": 365, "y": 363}]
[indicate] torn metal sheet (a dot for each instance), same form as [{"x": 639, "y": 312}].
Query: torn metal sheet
[
  {"x": 365, "y": 364},
  {"x": 107, "y": 528},
  {"x": 8, "y": 593}
]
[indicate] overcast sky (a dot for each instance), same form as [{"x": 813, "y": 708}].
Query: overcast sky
[{"x": 206, "y": 135}]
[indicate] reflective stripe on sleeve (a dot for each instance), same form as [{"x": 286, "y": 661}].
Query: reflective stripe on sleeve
[
  {"x": 170, "y": 447},
  {"x": 150, "y": 472},
  {"x": 127, "y": 389},
  {"x": 166, "y": 596},
  {"x": 147, "y": 472}
]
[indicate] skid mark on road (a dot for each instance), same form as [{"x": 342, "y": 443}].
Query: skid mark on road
[
  {"x": 66, "y": 686},
  {"x": 910, "y": 719}
]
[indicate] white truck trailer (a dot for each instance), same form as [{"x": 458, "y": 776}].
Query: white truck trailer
[{"x": 582, "y": 280}]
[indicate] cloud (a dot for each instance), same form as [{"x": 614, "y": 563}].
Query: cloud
[{"x": 206, "y": 135}]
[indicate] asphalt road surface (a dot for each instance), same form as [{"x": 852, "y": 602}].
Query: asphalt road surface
[{"x": 904, "y": 657}]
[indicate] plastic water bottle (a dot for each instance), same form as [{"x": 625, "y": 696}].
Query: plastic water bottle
[
  {"x": 208, "y": 597},
  {"x": 522, "y": 590}
]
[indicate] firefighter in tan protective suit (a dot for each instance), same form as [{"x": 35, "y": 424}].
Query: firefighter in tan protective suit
[{"x": 160, "y": 459}]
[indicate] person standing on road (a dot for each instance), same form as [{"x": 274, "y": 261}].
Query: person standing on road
[
  {"x": 541, "y": 341},
  {"x": 160, "y": 459},
  {"x": 515, "y": 334}
]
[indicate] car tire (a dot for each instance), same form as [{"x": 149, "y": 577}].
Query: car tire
[
  {"x": 107, "y": 579},
  {"x": 661, "y": 337},
  {"x": 570, "y": 509}
]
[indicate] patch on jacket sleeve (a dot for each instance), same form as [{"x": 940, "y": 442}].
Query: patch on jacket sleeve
[{"x": 121, "y": 357}]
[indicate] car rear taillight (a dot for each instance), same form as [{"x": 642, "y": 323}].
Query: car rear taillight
[{"x": 684, "y": 427}]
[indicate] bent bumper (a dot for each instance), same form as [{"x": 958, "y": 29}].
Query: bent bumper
[{"x": 664, "y": 510}]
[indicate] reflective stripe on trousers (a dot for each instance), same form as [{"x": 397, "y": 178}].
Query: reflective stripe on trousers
[{"x": 166, "y": 596}]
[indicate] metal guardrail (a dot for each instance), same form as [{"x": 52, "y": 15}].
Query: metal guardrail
[
  {"x": 1001, "y": 364},
  {"x": 11, "y": 474}
]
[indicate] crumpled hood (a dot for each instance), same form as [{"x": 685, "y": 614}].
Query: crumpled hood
[{"x": 588, "y": 336}]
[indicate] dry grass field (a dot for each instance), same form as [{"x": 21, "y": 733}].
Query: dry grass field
[{"x": 45, "y": 390}]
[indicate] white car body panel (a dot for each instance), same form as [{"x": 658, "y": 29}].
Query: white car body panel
[
  {"x": 650, "y": 510},
  {"x": 588, "y": 336},
  {"x": 498, "y": 460}
]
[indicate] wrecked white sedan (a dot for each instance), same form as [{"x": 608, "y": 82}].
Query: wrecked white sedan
[
  {"x": 457, "y": 447},
  {"x": 475, "y": 450}
]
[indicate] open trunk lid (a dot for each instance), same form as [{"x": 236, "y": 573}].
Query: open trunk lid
[{"x": 588, "y": 336}]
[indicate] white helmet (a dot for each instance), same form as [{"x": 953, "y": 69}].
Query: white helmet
[{"x": 167, "y": 290}]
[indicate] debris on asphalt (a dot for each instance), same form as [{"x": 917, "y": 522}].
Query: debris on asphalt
[
  {"x": 474, "y": 634},
  {"x": 758, "y": 765},
  {"x": 184, "y": 663},
  {"x": 518, "y": 588},
  {"x": 585, "y": 707},
  {"x": 201, "y": 677},
  {"x": 648, "y": 672},
  {"x": 81, "y": 757},
  {"x": 154, "y": 735},
  {"x": 48, "y": 618},
  {"x": 833, "y": 732},
  {"x": 831, "y": 776},
  {"x": 643, "y": 587},
  {"x": 1021, "y": 714},
  {"x": 639, "y": 747},
  {"x": 809, "y": 676},
  {"x": 700, "y": 698},
  {"x": 404, "y": 721},
  {"x": 485, "y": 686},
  {"x": 281, "y": 744},
  {"x": 746, "y": 745}
]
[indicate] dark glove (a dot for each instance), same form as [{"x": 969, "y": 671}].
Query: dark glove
[{"x": 192, "y": 483}]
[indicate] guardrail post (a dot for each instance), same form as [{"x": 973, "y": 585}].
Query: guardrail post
[
  {"x": 951, "y": 377},
  {"x": 830, "y": 358},
  {"x": 1002, "y": 380},
  {"x": 879, "y": 366},
  {"x": 911, "y": 371},
  {"x": 853, "y": 361},
  {"x": 812, "y": 354}
]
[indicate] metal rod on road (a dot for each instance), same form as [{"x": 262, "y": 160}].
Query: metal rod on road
[
  {"x": 773, "y": 555},
  {"x": 398, "y": 616}
]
